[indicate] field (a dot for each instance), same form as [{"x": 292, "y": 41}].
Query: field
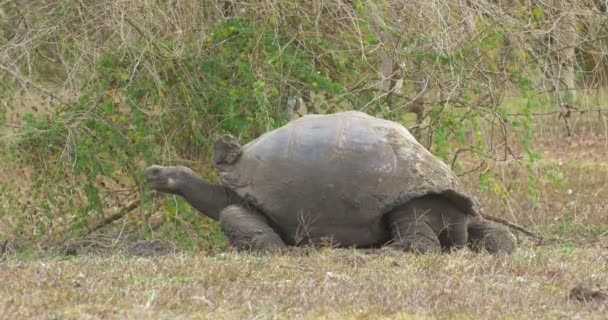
[
  {"x": 511, "y": 94},
  {"x": 564, "y": 275},
  {"x": 161, "y": 281},
  {"x": 534, "y": 283}
]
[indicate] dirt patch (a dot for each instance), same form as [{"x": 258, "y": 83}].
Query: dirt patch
[
  {"x": 148, "y": 248},
  {"x": 583, "y": 293},
  {"x": 17, "y": 177},
  {"x": 37, "y": 103},
  {"x": 15, "y": 190},
  {"x": 586, "y": 148}
]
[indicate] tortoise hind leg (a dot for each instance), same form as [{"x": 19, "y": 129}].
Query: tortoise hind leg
[
  {"x": 429, "y": 223},
  {"x": 491, "y": 237},
  {"x": 454, "y": 234},
  {"x": 411, "y": 231},
  {"x": 248, "y": 230}
]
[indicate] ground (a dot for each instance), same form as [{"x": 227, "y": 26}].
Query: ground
[{"x": 317, "y": 284}]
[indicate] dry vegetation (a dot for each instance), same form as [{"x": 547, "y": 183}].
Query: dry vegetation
[
  {"x": 328, "y": 284},
  {"x": 92, "y": 92}
]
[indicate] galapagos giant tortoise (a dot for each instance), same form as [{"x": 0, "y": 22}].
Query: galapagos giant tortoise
[{"x": 347, "y": 178}]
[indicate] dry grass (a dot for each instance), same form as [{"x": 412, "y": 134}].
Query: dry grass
[
  {"x": 337, "y": 284},
  {"x": 345, "y": 284},
  {"x": 572, "y": 208}
]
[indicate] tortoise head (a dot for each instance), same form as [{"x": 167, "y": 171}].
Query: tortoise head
[{"x": 226, "y": 151}]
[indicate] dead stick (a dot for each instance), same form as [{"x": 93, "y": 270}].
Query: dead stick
[
  {"x": 512, "y": 225},
  {"x": 121, "y": 213},
  {"x": 558, "y": 112},
  {"x": 146, "y": 36},
  {"x": 3, "y": 250}
]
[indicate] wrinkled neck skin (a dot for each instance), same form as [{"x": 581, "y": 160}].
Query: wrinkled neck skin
[{"x": 208, "y": 198}]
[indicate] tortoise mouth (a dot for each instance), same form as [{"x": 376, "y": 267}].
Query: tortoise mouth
[{"x": 153, "y": 172}]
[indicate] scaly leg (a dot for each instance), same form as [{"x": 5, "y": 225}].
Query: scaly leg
[{"x": 248, "y": 230}]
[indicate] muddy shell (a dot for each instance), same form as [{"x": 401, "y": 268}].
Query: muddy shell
[{"x": 345, "y": 170}]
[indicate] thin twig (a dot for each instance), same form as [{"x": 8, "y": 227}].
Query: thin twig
[
  {"x": 118, "y": 215},
  {"x": 3, "y": 249},
  {"x": 558, "y": 112},
  {"x": 512, "y": 225},
  {"x": 34, "y": 85},
  {"x": 145, "y": 35},
  {"x": 565, "y": 112}
]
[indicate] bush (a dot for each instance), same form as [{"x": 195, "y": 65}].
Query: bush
[{"x": 157, "y": 82}]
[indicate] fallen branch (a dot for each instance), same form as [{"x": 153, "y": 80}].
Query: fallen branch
[
  {"x": 559, "y": 113},
  {"x": 118, "y": 215},
  {"x": 150, "y": 39},
  {"x": 3, "y": 249},
  {"x": 25, "y": 82},
  {"x": 513, "y": 225}
]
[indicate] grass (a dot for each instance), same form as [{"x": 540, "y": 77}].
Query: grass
[
  {"x": 347, "y": 284},
  {"x": 324, "y": 284}
]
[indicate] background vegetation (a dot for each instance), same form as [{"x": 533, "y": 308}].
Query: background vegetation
[
  {"x": 511, "y": 94},
  {"x": 94, "y": 91}
]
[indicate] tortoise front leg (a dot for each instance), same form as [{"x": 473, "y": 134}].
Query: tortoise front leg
[{"x": 248, "y": 230}]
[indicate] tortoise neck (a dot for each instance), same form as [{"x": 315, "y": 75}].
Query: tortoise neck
[{"x": 208, "y": 198}]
